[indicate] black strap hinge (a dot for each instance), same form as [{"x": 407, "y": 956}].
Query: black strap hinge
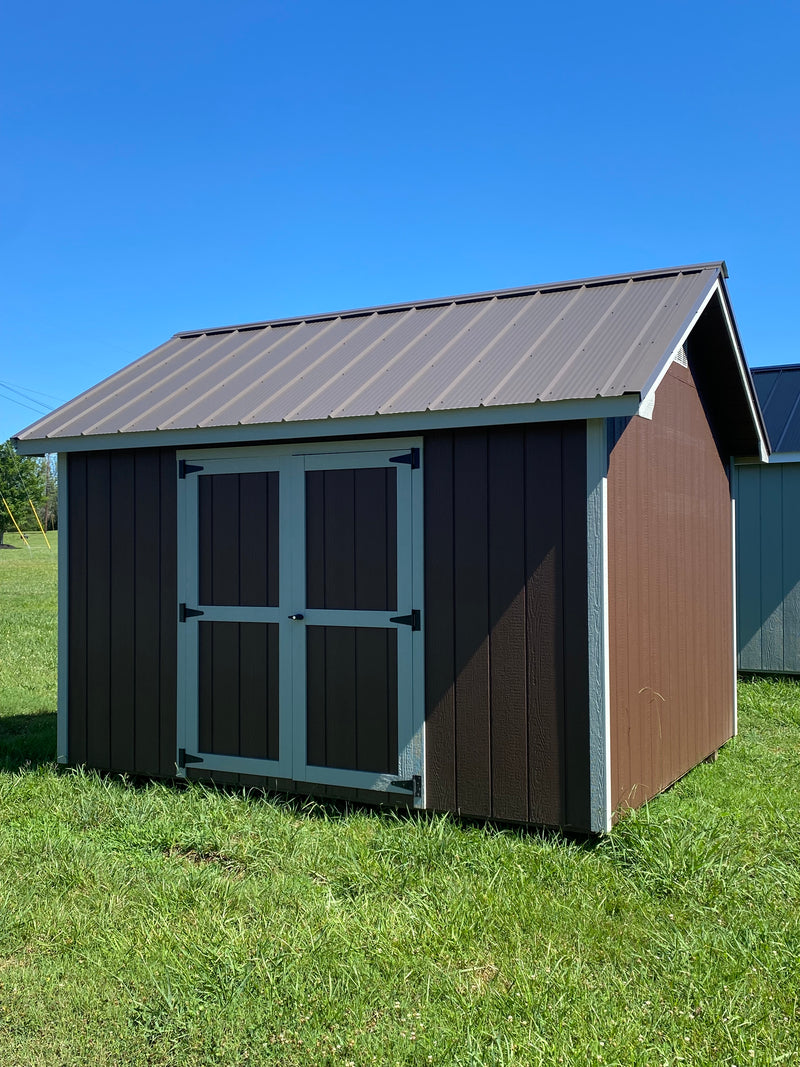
[
  {"x": 185, "y": 613},
  {"x": 184, "y": 757},
  {"x": 185, "y": 468},
  {"x": 412, "y": 784},
  {"x": 412, "y": 458},
  {"x": 412, "y": 620}
]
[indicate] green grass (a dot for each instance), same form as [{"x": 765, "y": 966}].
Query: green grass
[{"x": 154, "y": 925}]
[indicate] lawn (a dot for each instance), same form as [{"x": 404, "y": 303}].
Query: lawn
[{"x": 159, "y": 925}]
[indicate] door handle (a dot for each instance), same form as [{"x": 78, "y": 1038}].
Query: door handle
[{"x": 296, "y": 617}]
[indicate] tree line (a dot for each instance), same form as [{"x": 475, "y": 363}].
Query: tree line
[{"x": 27, "y": 482}]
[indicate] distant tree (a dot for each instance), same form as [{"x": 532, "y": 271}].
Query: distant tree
[{"x": 21, "y": 480}]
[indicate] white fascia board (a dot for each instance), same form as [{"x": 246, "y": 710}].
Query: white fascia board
[
  {"x": 62, "y": 718},
  {"x": 648, "y": 403},
  {"x": 600, "y": 407},
  {"x": 597, "y": 611}
]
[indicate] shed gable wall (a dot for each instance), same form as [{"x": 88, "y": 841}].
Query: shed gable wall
[
  {"x": 506, "y": 623},
  {"x": 670, "y": 599},
  {"x": 122, "y": 610}
]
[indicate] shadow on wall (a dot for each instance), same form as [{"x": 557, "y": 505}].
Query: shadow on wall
[{"x": 27, "y": 740}]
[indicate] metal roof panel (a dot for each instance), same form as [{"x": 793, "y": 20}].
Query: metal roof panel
[{"x": 571, "y": 340}]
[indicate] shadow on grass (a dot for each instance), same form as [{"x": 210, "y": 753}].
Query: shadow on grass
[{"x": 27, "y": 740}]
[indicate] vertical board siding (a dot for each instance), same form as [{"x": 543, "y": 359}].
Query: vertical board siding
[
  {"x": 122, "y": 610},
  {"x": 238, "y": 522},
  {"x": 351, "y": 539},
  {"x": 670, "y": 602},
  {"x": 768, "y": 567},
  {"x": 239, "y": 708},
  {"x": 352, "y": 698},
  {"x": 505, "y": 550}
]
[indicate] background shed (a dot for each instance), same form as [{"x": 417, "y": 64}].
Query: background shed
[
  {"x": 768, "y": 533},
  {"x": 473, "y": 554}
]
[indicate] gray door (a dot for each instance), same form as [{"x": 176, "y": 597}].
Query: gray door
[{"x": 300, "y": 636}]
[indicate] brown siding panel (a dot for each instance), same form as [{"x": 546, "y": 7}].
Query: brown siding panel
[
  {"x": 506, "y": 661},
  {"x": 670, "y": 610},
  {"x": 122, "y": 611}
]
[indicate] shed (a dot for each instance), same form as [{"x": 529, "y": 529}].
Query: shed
[
  {"x": 473, "y": 554},
  {"x": 768, "y": 533}
]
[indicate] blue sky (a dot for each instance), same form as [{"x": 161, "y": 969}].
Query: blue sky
[{"x": 177, "y": 165}]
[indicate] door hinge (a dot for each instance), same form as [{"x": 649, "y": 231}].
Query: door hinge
[
  {"x": 185, "y": 468},
  {"x": 184, "y": 757},
  {"x": 412, "y": 458},
  {"x": 412, "y": 620},
  {"x": 185, "y": 613},
  {"x": 412, "y": 784}
]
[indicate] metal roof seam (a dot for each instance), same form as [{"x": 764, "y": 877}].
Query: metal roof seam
[
  {"x": 580, "y": 348},
  {"x": 438, "y": 401},
  {"x": 437, "y": 356},
  {"x": 560, "y": 313},
  {"x": 178, "y": 373},
  {"x": 102, "y": 399},
  {"x": 274, "y": 368},
  {"x": 203, "y": 374},
  {"x": 352, "y": 363},
  {"x": 374, "y": 377},
  {"x": 616, "y": 380},
  {"x": 307, "y": 368}
]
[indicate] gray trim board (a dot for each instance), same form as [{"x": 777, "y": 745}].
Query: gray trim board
[
  {"x": 62, "y": 721},
  {"x": 597, "y": 606}
]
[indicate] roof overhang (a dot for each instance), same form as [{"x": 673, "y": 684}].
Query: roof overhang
[{"x": 369, "y": 425}]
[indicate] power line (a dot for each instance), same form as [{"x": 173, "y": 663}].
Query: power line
[
  {"x": 39, "y": 411},
  {"x": 25, "y": 389}
]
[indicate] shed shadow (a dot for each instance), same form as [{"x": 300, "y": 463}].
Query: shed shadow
[{"x": 27, "y": 741}]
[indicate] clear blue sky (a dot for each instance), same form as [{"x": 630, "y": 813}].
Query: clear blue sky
[{"x": 174, "y": 165}]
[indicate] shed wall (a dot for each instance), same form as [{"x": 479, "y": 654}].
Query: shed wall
[
  {"x": 670, "y": 594},
  {"x": 768, "y": 567},
  {"x": 505, "y": 620},
  {"x": 122, "y": 610},
  {"x": 506, "y": 623}
]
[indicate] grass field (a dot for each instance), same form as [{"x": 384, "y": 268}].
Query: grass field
[{"x": 155, "y": 925}]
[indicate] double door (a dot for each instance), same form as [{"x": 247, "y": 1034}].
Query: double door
[{"x": 300, "y": 629}]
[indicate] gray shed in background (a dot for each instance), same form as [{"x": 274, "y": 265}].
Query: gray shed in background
[{"x": 768, "y": 533}]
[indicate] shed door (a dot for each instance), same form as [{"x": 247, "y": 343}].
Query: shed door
[{"x": 300, "y": 663}]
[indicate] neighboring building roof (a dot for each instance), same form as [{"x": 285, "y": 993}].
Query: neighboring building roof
[
  {"x": 778, "y": 390},
  {"x": 580, "y": 340}
]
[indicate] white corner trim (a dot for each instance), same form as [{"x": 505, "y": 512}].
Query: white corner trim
[
  {"x": 62, "y": 718},
  {"x": 597, "y": 603},
  {"x": 648, "y": 404}
]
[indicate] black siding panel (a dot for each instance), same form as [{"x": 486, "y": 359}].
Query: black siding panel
[
  {"x": 122, "y": 610},
  {"x": 77, "y": 626},
  {"x": 506, "y": 626}
]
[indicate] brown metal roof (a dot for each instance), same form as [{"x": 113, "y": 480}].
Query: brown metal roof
[{"x": 598, "y": 337}]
